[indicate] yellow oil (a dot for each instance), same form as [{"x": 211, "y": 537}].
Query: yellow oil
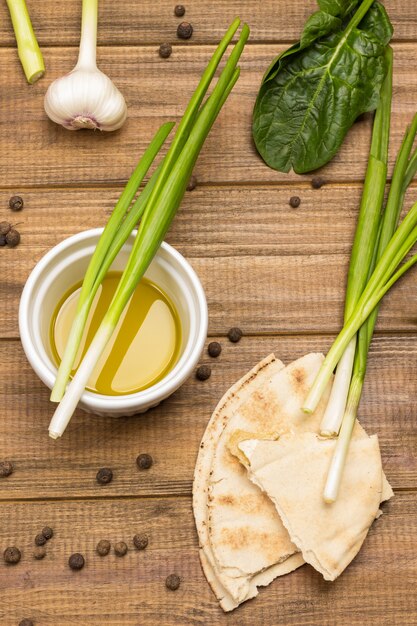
[{"x": 144, "y": 346}]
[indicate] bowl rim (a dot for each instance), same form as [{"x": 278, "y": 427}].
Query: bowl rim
[{"x": 150, "y": 396}]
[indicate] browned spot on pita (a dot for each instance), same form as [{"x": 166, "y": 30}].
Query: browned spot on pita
[
  {"x": 248, "y": 503},
  {"x": 264, "y": 412},
  {"x": 299, "y": 377},
  {"x": 241, "y": 537}
]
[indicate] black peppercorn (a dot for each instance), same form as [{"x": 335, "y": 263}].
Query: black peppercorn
[
  {"x": 179, "y": 10},
  {"x": 16, "y": 203},
  {"x": 120, "y": 548},
  {"x": 184, "y": 30},
  {"x": 76, "y": 561},
  {"x": 140, "y": 541},
  {"x": 295, "y": 202},
  {"x": 26, "y": 622},
  {"x": 6, "y": 468},
  {"x": 40, "y": 540},
  {"x": 104, "y": 476},
  {"x": 144, "y": 461},
  {"x": 192, "y": 183},
  {"x": 235, "y": 334},
  {"x": 317, "y": 182},
  {"x": 12, "y": 555},
  {"x": 12, "y": 238},
  {"x": 5, "y": 227},
  {"x": 165, "y": 50},
  {"x": 39, "y": 553},
  {"x": 47, "y": 532},
  {"x": 103, "y": 547},
  {"x": 173, "y": 582},
  {"x": 214, "y": 349},
  {"x": 203, "y": 372}
]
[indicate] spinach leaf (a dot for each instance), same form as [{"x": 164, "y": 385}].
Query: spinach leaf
[
  {"x": 313, "y": 92},
  {"x": 318, "y": 25},
  {"x": 339, "y": 8}
]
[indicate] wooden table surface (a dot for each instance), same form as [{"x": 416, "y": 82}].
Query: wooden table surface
[{"x": 278, "y": 273}]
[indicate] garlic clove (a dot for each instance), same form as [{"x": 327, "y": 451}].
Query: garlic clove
[{"x": 85, "y": 98}]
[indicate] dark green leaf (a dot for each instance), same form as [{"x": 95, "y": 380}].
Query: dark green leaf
[
  {"x": 318, "y": 25},
  {"x": 339, "y": 8},
  {"x": 310, "y": 97}
]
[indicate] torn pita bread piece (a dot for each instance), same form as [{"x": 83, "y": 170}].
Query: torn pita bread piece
[
  {"x": 246, "y": 536},
  {"x": 292, "y": 472},
  {"x": 227, "y": 406}
]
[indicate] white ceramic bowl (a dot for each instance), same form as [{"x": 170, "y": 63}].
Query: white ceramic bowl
[{"x": 65, "y": 265}]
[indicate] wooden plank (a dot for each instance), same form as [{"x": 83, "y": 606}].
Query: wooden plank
[
  {"x": 264, "y": 266},
  {"x": 37, "y": 152},
  {"x": 379, "y": 583},
  {"x": 153, "y": 22},
  {"x": 172, "y": 432}
]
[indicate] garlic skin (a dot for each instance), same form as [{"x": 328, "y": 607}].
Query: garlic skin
[{"x": 85, "y": 98}]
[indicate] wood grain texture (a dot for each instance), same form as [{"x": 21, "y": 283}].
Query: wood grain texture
[
  {"x": 171, "y": 433},
  {"x": 148, "y": 22},
  {"x": 264, "y": 266},
  {"x": 380, "y": 582},
  {"x": 157, "y": 90},
  {"x": 277, "y": 272}
]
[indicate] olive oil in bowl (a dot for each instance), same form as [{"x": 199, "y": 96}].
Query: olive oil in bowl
[{"x": 144, "y": 347}]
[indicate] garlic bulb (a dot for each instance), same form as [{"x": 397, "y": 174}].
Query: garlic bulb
[{"x": 86, "y": 97}]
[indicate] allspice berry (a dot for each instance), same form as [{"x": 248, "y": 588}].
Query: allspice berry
[
  {"x": 173, "y": 582},
  {"x": 103, "y": 547},
  {"x": 141, "y": 541},
  {"x": 2, "y": 240},
  {"x": 6, "y": 468},
  {"x": 104, "y": 476},
  {"x": 144, "y": 461},
  {"x": 317, "y": 182},
  {"x": 165, "y": 50},
  {"x": 120, "y": 548},
  {"x": 184, "y": 30},
  {"x": 40, "y": 540},
  {"x": 214, "y": 349},
  {"x": 203, "y": 372},
  {"x": 47, "y": 532},
  {"x": 5, "y": 227},
  {"x": 235, "y": 334},
  {"x": 295, "y": 202},
  {"x": 13, "y": 238},
  {"x": 16, "y": 203},
  {"x": 12, "y": 555},
  {"x": 39, "y": 553},
  {"x": 76, "y": 561},
  {"x": 179, "y": 10},
  {"x": 26, "y": 622}
]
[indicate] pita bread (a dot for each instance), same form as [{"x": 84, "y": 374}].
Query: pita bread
[
  {"x": 245, "y": 533},
  {"x": 229, "y": 403},
  {"x": 292, "y": 472}
]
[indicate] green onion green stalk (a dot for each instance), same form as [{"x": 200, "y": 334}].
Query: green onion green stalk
[
  {"x": 364, "y": 244},
  {"x": 27, "y": 46},
  {"x": 163, "y": 195},
  {"x": 404, "y": 170}
]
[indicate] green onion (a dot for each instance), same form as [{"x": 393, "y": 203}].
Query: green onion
[
  {"x": 164, "y": 199},
  {"x": 363, "y": 248},
  {"x": 27, "y": 46},
  {"x": 112, "y": 239},
  {"x": 400, "y": 180}
]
